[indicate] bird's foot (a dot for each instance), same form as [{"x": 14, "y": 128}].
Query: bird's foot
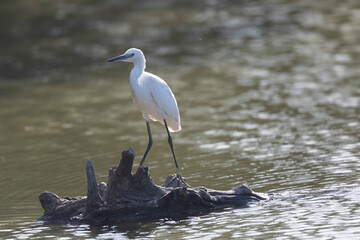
[{"x": 182, "y": 180}]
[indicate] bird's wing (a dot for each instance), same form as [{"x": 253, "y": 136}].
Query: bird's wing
[{"x": 164, "y": 98}]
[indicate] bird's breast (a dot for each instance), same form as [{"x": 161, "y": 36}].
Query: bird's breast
[{"x": 155, "y": 99}]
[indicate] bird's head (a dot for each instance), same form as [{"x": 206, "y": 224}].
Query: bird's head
[{"x": 131, "y": 55}]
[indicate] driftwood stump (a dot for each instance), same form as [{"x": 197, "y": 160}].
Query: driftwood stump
[{"x": 129, "y": 196}]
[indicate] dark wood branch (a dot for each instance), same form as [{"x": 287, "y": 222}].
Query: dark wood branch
[
  {"x": 93, "y": 197},
  {"x": 129, "y": 196}
]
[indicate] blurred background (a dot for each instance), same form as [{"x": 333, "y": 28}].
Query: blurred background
[{"x": 268, "y": 91}]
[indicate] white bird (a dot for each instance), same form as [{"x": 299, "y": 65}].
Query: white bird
[{"x": 153, "y": 97}]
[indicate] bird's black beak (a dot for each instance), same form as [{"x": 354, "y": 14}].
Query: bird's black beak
[{"x": 121, "y": 57}]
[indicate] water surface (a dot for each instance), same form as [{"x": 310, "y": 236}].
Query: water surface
[{"x": 268, "y": 91}]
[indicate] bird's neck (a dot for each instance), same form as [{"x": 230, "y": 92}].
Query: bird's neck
[{"x": 139, "y": 68}]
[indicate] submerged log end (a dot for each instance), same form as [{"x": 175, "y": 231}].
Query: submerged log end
[
  {"x": 244, "y": 190},
  {"x": 49, "y": 201},
  {"x": 61, "y": 209}
]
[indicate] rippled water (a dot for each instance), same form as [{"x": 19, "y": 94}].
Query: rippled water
[{"x": 269, "y": 95}]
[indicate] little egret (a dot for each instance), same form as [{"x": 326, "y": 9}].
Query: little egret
[{"x": 153, "y": 97}]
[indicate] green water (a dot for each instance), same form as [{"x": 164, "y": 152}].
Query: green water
[{"x": 268, "y": 91}]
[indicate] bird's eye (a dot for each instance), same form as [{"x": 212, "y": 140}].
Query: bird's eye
[{"x": 131, "y": 55}]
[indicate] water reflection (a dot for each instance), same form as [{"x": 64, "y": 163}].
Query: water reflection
[{"x": 268, "y": 95}]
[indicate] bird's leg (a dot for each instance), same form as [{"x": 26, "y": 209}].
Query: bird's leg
[
  {"x": 172, "y": 150},
  {"x": 149, "y": 144}
]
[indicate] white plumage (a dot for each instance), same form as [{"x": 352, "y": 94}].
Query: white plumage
[{"x": 155, "y": 100}]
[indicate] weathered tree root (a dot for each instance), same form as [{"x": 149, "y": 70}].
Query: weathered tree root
[{"x": 130, "y": 196}]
